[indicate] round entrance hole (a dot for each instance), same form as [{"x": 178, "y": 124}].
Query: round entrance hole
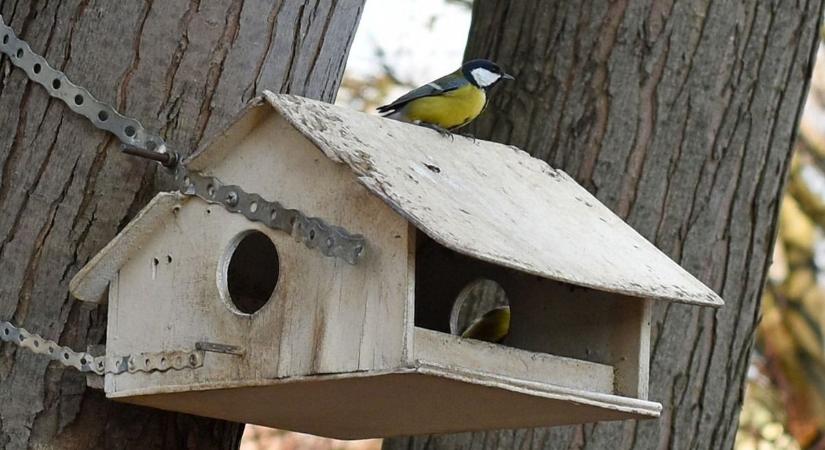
[{"x": 250, "y": 271}]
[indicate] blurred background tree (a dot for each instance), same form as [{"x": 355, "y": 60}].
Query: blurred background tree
[{"x": 785, "y": 398}]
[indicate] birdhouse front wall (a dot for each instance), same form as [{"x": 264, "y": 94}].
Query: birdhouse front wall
[{"x": 325, "y": 316}]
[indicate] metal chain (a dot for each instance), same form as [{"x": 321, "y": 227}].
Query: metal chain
[
  {"x": 79, "y": 100},
  {"x": 85, "y": 362},
  {"x": 312, "y": 231},
  {"x": 330, "y": 240}
]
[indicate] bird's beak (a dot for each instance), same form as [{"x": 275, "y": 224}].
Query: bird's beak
[{"x": 507, "y": 76}]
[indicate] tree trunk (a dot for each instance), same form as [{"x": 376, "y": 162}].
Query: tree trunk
[
  {"x": 184, "y": 68},
  {"x": 680, "y": 116}
]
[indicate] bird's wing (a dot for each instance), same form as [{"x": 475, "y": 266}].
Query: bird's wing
[
  {"x": 444, "y": 84},
  {"x": 493, "y": 326}
]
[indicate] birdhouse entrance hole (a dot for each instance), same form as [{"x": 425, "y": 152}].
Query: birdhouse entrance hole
[{"x": 249, "y": 271}]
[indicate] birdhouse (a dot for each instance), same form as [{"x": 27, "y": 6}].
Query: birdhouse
[{"x": 294, "y": 339}]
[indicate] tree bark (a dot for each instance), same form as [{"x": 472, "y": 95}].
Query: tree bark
[
  {"x": 184, "y": 68},
  {"x": 680, "y": 116}
]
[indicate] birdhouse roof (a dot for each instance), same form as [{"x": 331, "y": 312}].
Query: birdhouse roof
[
  {"x": 489, "y": 201},
  {"x": 493, "y": 202}
]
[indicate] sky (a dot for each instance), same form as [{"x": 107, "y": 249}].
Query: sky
[{"x": 422, "y": 39}]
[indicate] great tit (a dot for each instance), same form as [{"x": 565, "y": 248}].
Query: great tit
[
  {"x": 493, "y": 326},
  {"x": 451, "y": 101}
]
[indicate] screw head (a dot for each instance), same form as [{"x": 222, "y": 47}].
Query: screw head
[{"x": 231, "y": 198}]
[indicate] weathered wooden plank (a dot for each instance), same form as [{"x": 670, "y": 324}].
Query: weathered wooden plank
[
  {"x": 393, "y": 404},
  {"x": 453, "y": 352}
]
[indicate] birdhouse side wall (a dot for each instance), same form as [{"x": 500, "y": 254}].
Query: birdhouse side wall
[
  {"x": 325, "y": 316},
  {"x": 587, "y": 324},
  {"x": 546, "y": 316}
]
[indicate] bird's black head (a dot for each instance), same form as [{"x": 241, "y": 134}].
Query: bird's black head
[{"x": 483, "y": 73}]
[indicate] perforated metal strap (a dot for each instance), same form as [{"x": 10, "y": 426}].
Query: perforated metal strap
[
  {"x": 79, "y": 100},
  {"x": 312, "y": 231},
  {"x": 85, "y": 362},
  {"x": 330, "y": 240}
]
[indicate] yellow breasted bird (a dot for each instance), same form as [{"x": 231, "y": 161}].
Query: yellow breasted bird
[
  {"x": 451, "y": 101},
  {"x": 493, "y": 326}
]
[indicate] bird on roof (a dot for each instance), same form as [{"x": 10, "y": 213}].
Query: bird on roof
[{"x": 451, "y": 101}]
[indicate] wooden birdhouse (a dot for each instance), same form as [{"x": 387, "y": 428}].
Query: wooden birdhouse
[{"x": 295, "y": 339}]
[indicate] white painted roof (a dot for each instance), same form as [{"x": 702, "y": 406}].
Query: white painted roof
[
  {"x": 494, "y": 202},
  {"x": 490, "y": 201}
]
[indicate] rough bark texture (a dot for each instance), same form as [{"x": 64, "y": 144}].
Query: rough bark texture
[
  {"x": 679, "y": 115},
  {"x": 184, "y": 68}
]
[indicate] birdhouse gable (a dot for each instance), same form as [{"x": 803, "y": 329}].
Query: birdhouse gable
[{"x": 91, "y": 282}]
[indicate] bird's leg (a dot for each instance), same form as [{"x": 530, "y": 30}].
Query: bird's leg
[
  {"x": 470, "y": 137},
  {"x": 441, "y": 130}
]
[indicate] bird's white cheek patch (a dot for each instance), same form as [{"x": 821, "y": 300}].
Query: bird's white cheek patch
[{"x": 484, "y": 77}]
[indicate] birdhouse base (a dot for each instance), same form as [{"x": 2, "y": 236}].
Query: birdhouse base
[
  {"x": 426, "y": 400},
  {"x": 444, "y": 392}
]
